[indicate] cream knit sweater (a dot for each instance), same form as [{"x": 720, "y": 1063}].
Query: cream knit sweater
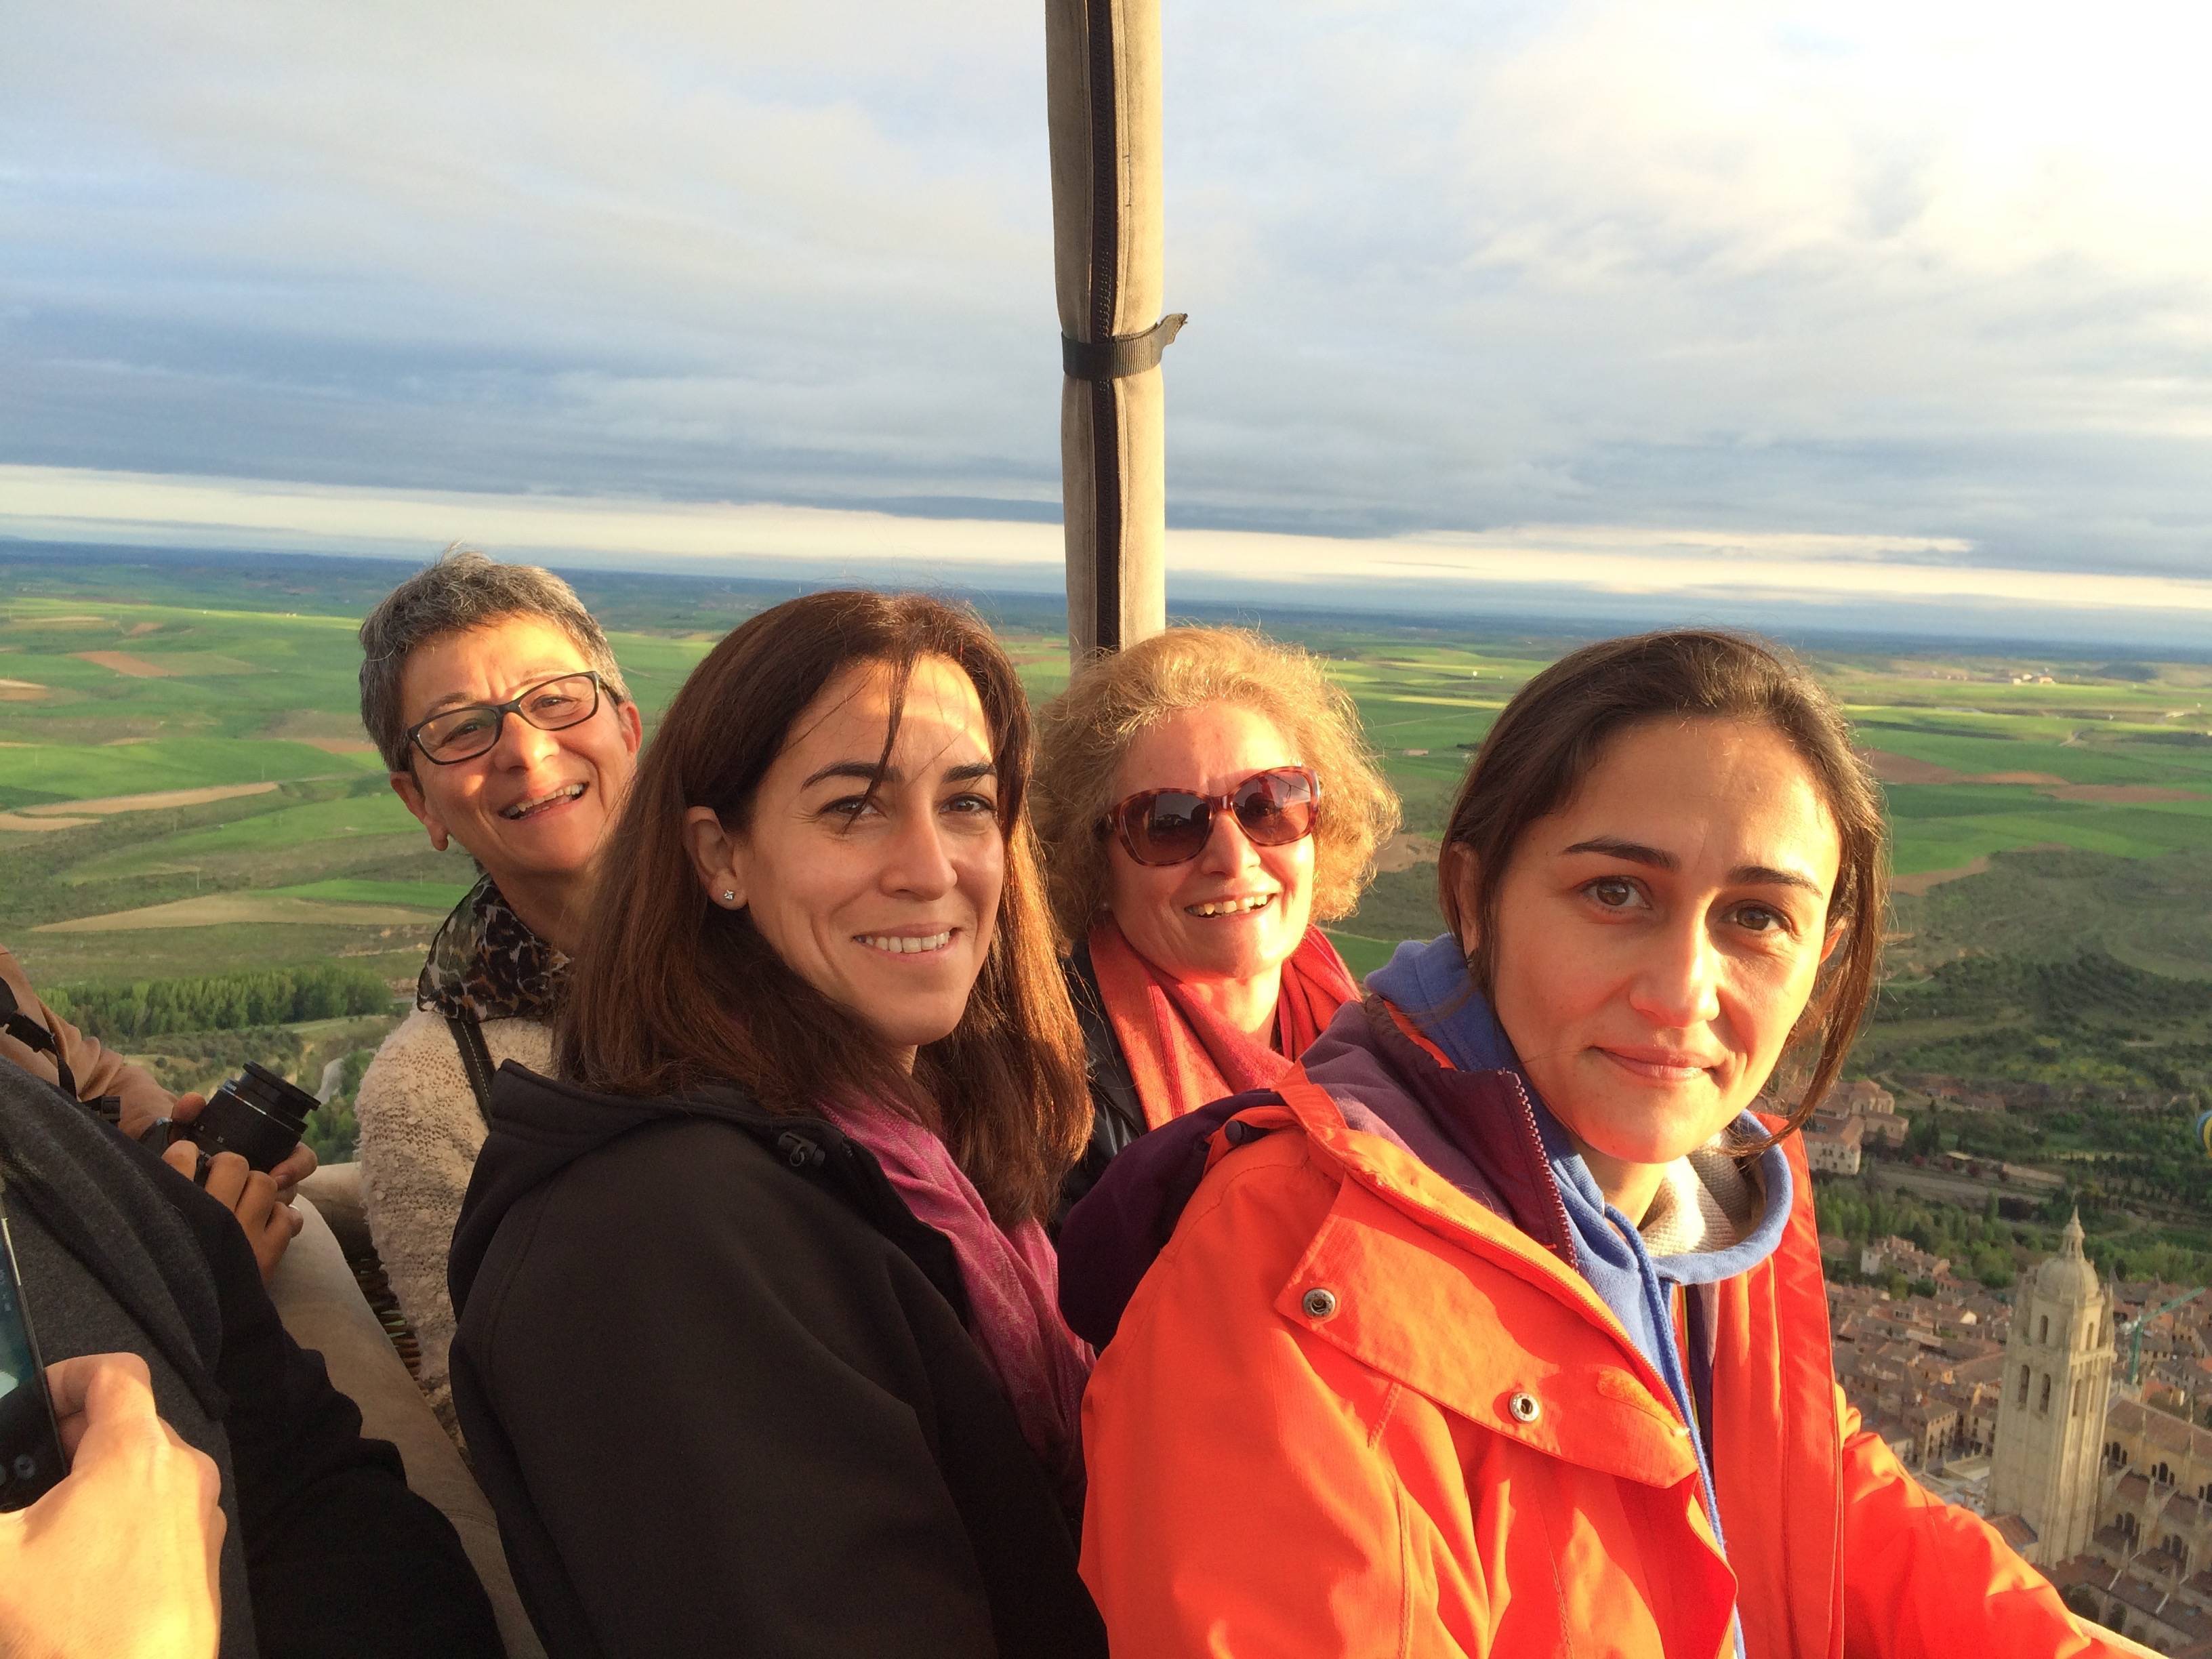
[
  {"x": 420, "y": 1133},
  {"x": 1706, "y": 1200}
]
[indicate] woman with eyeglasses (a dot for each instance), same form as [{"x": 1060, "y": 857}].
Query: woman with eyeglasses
[
  {"x": 494, "y": 699},
  {"x": 1204, "y": 798}
]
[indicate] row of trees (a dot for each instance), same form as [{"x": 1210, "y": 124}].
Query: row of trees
[
  {"x": 1981, "y": 1244},
  {"x": 2074, "y": 1057},
  {"x": 2092, "y": 984},
  {"x": 331, "y": 1127},
  {"x": 196, "y": 1061},
  {"x": 2151, "y": 1157},
  {"x": 221, "y": 1002},
  {"x": 1984, "y": 1245},
  {"x": 2090, "y": 1026}
]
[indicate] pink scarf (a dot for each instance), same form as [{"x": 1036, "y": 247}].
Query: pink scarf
[{"x": 1013, "y": 1278}]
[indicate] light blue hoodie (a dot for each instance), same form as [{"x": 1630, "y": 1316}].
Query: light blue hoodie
[{"x": 1429, "y": 982}]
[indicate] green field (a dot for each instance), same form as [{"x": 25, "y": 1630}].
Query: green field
[
  {"x": 35, "y": 774},
  {"x": 124, "y": 682},
  {"x": 121, "y": 685},
  {"x": 422, "y": 895},
  {"x": 325, "y": 828},
  {"x": 192, "y": 730},
  {"x": 2032, "y": 819}
]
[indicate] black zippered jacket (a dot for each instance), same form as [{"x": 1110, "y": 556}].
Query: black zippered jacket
[
  {"x": 1117, "y": 1116},
  {"x": 717, "y": 1381}
]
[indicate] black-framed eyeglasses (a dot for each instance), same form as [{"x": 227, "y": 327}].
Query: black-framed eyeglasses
[
  {"x": 452, "y": 735},
  {"x": 1171, "y": 826}
]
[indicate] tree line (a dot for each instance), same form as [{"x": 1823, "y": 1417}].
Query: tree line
[
  {"x": 1982, "y": 1244},
  {"x": 2091, "y": 985},
  {"x": 220, "y": 1002}
]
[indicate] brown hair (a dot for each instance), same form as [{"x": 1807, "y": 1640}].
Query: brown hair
[
  {"x": 672, "y": 993},
  {"x": 1085, "y": 731},
  {"x": 1554, "y": 732}
]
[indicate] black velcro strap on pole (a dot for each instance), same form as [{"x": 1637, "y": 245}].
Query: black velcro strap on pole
[{"x": 1123, "y": 355}]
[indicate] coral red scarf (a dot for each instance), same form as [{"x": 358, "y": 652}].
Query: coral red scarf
[{"x": 1181, "y": 1054}]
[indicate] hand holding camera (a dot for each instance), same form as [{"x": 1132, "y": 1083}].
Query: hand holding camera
[
  {"x": 257, "y": 1115},
  {"x": 243, "y": 1144},
  {"x": 249, "y": 1195}
]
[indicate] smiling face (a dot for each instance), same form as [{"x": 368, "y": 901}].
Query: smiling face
[
  {"x": 532, "y": 809},
  {"x": 886, "y": 905},
  {"x": 1237, "y": 911},
  {"x": 1659, "y": 935}
]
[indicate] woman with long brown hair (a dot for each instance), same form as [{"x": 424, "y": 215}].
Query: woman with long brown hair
[{"x": 758, "y": 1348}]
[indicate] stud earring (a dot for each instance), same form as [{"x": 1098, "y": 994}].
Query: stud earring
[{"x": 729, "y": 895}]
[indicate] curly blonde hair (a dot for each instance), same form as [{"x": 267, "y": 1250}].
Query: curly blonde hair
[{"x": 1083, "y": 734}]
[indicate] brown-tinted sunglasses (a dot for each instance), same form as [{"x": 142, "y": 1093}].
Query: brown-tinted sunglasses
[{"x": 1171, "y": 826}]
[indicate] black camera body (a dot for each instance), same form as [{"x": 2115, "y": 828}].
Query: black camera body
[{"x": 258, "y": 1115}]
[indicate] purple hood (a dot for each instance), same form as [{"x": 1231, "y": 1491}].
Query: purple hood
[{"x": 1476, "y": 1129}]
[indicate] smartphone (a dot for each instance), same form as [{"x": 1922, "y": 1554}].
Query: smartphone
[{"x": 30, "y": 1446}]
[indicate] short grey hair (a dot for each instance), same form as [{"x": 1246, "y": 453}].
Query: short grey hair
[{"x": 463, "y": 590}]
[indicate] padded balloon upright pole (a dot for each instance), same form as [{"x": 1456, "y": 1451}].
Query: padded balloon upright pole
[{"x": 1103, "y": 74}]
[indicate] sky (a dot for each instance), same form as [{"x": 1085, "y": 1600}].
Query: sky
[{"x": 1708, "y": 308}]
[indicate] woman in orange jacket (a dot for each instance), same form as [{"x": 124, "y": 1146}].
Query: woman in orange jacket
[{"x": 1498, "y": 1326}]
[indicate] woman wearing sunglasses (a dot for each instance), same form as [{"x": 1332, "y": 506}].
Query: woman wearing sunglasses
[
  {"x": 1497, "y": 1327},
  {"x": 496, "y": 701},
  {"x": 1204, "y": 798}
]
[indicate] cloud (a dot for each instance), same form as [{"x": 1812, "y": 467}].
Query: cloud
[
  {"x": 1712, "y": 261},
  {"x": 1745, "y": 269},
  {"x": 1613, "y": 571}
]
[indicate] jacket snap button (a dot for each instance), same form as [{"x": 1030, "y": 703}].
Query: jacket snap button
[
  {"x": 1319, "y": 1303},
  {"x": 1525, "y": 1407}
]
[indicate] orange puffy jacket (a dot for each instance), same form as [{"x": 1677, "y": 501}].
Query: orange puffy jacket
[{"x": 1350, "y": 1411}]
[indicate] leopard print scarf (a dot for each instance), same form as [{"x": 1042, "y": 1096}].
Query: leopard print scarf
[{"x": 485, "y": 964}]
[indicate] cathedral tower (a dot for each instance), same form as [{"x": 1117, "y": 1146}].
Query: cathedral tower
[{"x": 2050, "y": 1421}]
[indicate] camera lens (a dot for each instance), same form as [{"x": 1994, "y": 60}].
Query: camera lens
[{"x": 257, "y": 1115}]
